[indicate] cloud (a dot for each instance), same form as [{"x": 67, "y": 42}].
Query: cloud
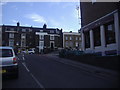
[
  {"x": 25, "y": 25},
  {"x": 14, "y": 21},
  {"x": 36, "y": 18},
  {"x": 54, "y": 22},
  {"x": 67, "y": 5},
  {"x": 15, "y": 7},
  {"x": 2, "y": 3}
]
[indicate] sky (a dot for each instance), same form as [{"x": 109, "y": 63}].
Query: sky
[{"x": 55, "y": 14}]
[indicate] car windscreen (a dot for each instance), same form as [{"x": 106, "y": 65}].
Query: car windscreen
[
  {"x": 30, "y": 50},
  {"x": 6, "y": 53}
]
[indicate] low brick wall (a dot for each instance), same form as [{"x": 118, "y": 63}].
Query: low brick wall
[{"x": 109, "y": 62}]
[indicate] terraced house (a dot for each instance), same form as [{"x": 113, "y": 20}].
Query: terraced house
[
  {"x": 22, "y": 37},
  {"x": 100, "y": 27}
]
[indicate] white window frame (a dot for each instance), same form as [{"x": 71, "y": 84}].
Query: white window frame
[
  {"x": 23, "y": 35},
  {"x": 41, "y": 43},
  {"x": 79, "y": 38},
  {"x": 52, "y": 37},
  {"x": 66, "y": 37},
  {"x": 41, "y": 37},
  {"x": 70, "y": 37},
  {"x": 30, "y": 30},
  {"x": 57, "y": 31},
  {"x": 76, "y": 38},
  {"x": 11, "y": 35},
  {"x": 23, "y": 43},
  {"x": 76, "y": 44},
  {"x": 11, "y": 42},
  {"x": 23, "y": 30}
]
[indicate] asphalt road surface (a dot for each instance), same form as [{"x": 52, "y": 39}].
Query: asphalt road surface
[{"x": 43, "y": 71}]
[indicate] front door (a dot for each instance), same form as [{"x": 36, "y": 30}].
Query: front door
[{"x": 52, "y": 46}]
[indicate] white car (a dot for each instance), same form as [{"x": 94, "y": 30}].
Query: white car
[
  {"x": 31, "y": 51},
  {"x": 8, "y": 62}
]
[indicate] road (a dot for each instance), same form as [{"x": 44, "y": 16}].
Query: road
[{"x": 43, "y": 71}]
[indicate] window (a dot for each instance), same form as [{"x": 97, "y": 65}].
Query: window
[
  {"x": 76, "y": 38},
  {"x": 41, "y": 37},
  {"x": 41, "y": 44},
  {"x": 97, "y": 37},
  {"x": 41, "y": 30},
  {"x": 30, "y": 30},
  {"x": 66, "y": 38},
  {"x": 51, "y": 31},
  {"x": 11, "y": 35},
  {"x": 70, "y": 38},
  {"x": 6, "y": 53},
  {"x": 0, "y": 29},
  {"x": 87, "y": 39},
  {"x": 110, "y": 33},
  {"x": 76, "y": 44},
  {"x": 79, "y": 38},
  {"x": 23, "y": 44},
  {"x": 23, "y": 35},
  {"x": 11, "y": 29},
  {"x": 7, "y": 29},
  {"x": 71, "y": 44},
  {"x": 57, "y": 31},
  {"x": 11, "y": 43},
  {"x": 23, "y": 30},
  {"x": 66, "y": 43},
  {"x": 51, "y": 37},
  {"x": 0, "y": 35}
]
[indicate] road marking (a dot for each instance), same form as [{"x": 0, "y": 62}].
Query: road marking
[
  {"x": 18, "y": 59},
  {"x": 41, "y": 86},
  {"x": 26, "y": 67},
  {"x": 23, "y": 58}
]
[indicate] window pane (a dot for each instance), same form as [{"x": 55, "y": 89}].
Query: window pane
[
  {"x": 6, "y": 53},
  {"x": 110, "y": 33},
  {"x": 87, "y": 39},
  {"x": 97, "y": 38}
]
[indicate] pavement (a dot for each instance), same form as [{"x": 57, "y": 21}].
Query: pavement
[{"x": 96, "y": 71}]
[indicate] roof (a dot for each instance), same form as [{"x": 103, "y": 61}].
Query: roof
[{"x": 71, "y": 33}]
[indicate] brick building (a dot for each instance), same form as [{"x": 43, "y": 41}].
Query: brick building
[
  {"x": 100, "y": 27},
  {"x": 48, "y": 38},
  {"x": 71, "y": 40},
  {"x": 31, "y": 37}
]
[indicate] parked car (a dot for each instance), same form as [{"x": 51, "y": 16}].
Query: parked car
[
  {"x": 31, "y": 51},
  {"x": 23, "y": 51},
  {"x": 9, "y": 62}
]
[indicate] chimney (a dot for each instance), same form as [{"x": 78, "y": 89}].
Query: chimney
[
  {"x": 44, "y": 26},
  {"x": 18, "y": 24}
]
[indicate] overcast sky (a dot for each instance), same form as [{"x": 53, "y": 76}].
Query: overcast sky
[{"x": 55, "y": 14}]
